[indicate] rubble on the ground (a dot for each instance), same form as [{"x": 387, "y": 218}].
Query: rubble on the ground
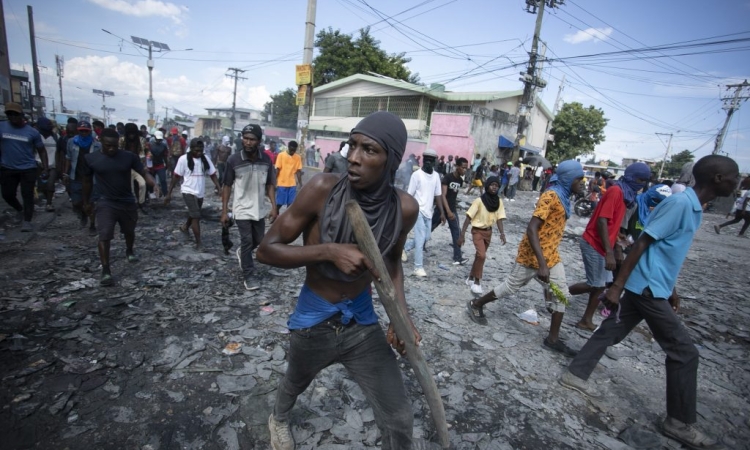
[{"x": 179, "y": 355}]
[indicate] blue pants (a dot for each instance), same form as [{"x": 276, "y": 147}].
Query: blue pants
[
  {"x": 364, "y": 352},
  {"x": 422, "y": 231},
  {"x": 455, "y": 231}
]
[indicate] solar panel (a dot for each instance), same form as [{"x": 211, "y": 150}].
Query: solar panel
[{"x": 139, "y": 41}]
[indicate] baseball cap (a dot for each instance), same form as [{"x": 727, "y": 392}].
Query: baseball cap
[
  {"x": 175, "y": 130},
  {"x": 83, "y": 125},
  {"x": 184, "y": 133},
  {"x": 510, "y": 163},
  {"x": 158, "y": 135},
  {"x": 15, "y": 107},
  {"x": 430, "y": 152}
]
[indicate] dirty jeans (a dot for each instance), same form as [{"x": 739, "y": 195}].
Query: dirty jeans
[
  {"x": 27, "y": 179},
  {"x": 251, "y": 233},
  {"x": 669, "y": 332},
  {"x": 422, "y": 231},
  {"x": 512, "y": 191},
  {"x": 455, "y": 230},
  {"x": 364, "y": 352}
]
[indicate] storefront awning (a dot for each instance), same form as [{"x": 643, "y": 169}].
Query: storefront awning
[
  {"x": 505, "y": 142},
  {"x": 529, "y": 149}
]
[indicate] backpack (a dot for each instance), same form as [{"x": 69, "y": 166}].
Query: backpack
[{"x": 175, "y": 148}]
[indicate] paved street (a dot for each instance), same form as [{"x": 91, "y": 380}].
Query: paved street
[{"x": 179, "y": 356}]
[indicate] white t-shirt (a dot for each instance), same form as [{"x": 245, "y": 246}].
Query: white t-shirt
[
  {"x": 538, "y": 172},
  {"x": 741, "y": 200},
  {"x": 51, "y": 145},
  {"x": 193, "y": 182},
  {"x": 424, "y": 187}
]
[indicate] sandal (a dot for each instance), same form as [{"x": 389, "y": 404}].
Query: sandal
[{"x": 476, "y": 314}]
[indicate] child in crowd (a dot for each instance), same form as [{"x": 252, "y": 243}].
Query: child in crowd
[{"x": 483, "y": 213}]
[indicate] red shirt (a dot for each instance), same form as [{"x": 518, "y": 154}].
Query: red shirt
[
  {"x": 271, "y": 155},
  {"x": 612, "y": 208}
]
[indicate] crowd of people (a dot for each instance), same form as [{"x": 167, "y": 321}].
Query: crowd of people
[{"x": 632, "y": 249}]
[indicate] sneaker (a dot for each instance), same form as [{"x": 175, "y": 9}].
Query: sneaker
[
  {"x": 469, "y": 281},
  {"x": 717, "y": 229},
  {"x": 689, "y": 435},
  {"x": 281, "y": 435},
  {"x": 513, "y": 199},
  {"x": 476, "y": 289},
  {"x": 106, "y": 280},
  {"x": 26, "y": 227},
  {"x": 239, "y": 256},
  {"x": 419, "y": 272},
  {"x": 404, "y": 257},
  {"x": 560, "y": 347},
  {"x": 571, "y": 381},
  {"x": 251, "y": 283},
  {"x": 461, "y": 262}
]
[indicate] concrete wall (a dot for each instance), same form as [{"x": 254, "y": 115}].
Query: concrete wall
[
  {"x": 536, "y": 132},
  {"x": 450, "y": 135},
  {"x": 414, "y": 127},
  {"x": 486, "y": 133}
]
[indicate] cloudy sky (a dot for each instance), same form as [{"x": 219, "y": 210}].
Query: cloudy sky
[{"x": 469, "y": 45}]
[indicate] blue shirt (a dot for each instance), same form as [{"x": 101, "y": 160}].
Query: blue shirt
[
  {"x": 672, "y": 224},
  {"x": 18, "y": 146},
  {"x": 313, "y": 309}
]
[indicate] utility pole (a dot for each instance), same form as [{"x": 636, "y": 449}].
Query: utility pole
[
  {"x": 166, "y": 115},
  {"x": 530, "y": 78},
  {"x": 36, "y": 105},
  {"x": 555, "y": 109},
  {"x": 730, "y": 105},
  {"x": 151, "y": 46},
  {"x": 303, "y": 114},
  {"x": 60, "y": 63},
  {"x": 666, "y": 154},
  {"x": 104, "y": 95},
  {"x": 236, "y": 76}
]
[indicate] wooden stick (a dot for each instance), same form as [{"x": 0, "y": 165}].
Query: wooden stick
[{"x": 399, "y": 318}]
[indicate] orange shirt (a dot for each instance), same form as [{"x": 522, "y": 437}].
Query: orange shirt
[
  {"x": 552, "y": 213},
  {"x": 288, "y": 166}
]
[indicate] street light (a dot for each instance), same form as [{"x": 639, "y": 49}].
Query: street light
[
  {"x": 104, "y": 95},
  {"x": 151, "y": 46}
]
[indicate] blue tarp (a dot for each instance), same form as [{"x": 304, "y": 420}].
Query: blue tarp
[{"x": 505, "y": 142}]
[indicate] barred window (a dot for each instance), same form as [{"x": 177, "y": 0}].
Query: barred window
[
  {"x": 333, "y": 107},
  {"x": 406, "y": 107}
]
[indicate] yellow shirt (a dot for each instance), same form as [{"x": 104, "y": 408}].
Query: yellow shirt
[
  {"x": 481, "y": 218},
  {"x": 552, "y": 213},
  {"x": 288, "y": 166}
]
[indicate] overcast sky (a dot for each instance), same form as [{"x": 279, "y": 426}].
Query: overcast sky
[{"x": 470, "y": 45}]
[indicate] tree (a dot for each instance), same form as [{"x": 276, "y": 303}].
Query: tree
[
  {"x": 283, "y": 109},
  {"x": 673, "y": 167},
  {"x": 577, "y": 131},
  {"x": 341, "y": 55}
]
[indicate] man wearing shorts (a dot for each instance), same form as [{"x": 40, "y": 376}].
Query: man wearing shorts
[
  {"x": 115, "y": 200},
  {"x": 538, "y": 255},
  {"x": 478, "y": 176},
  {"x": 193, "y": 168},
  {"x": 598, "y": 241},
  {"x": 288, "y": 175}
]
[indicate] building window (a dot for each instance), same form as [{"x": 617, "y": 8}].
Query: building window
[
  {"x": 406, "y": 107},
  {"x": 244, "y": 116}
]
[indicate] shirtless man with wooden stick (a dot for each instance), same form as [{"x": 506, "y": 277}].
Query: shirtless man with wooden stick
[{"x": 334, "y": 320}]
